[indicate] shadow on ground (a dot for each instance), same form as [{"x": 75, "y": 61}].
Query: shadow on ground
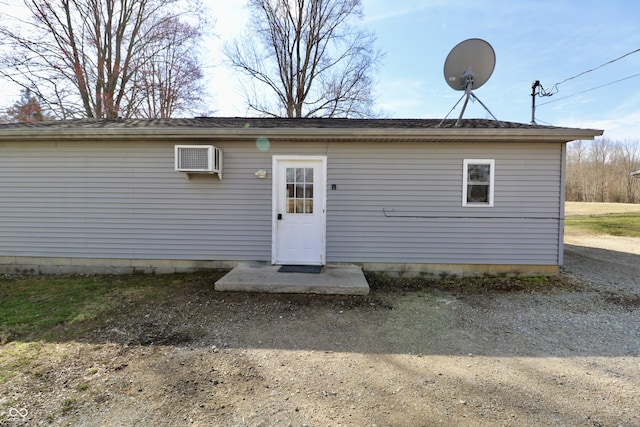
[{"x": 561, "y": 317}]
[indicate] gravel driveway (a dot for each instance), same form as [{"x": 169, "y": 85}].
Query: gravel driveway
[
  {"x": 606, "y": 269},
  {"x": 558, "y": 357}
]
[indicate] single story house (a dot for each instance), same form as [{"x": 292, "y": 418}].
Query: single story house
[{"x": 402, "y": 196}]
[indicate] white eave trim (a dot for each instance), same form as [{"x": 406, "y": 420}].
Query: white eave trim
[{"x": 307, "y": 134}]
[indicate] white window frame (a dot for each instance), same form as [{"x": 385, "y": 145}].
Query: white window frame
[{"x": 465, "y": 184}]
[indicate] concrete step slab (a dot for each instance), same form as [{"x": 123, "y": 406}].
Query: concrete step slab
[{"x": 336, "y": 279}]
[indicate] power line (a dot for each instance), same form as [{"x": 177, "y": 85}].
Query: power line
[
  {"x": 537, "y": 89},
  {"x": 589, "y": 90},
  {"x": 554, "y": 89},
  {"x": 595, "y": 68}
]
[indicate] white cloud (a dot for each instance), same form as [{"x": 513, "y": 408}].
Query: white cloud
[
  {"x": 230, "y": 19},
  {"x": 402, "y": 97},
  {"x": 620, "y": 128}
]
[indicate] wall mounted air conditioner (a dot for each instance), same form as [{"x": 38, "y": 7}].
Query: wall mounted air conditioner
[{"x": 198, "y": 159}]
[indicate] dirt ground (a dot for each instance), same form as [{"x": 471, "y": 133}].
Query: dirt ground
[
  {"x": 584, "y": 208},
  {"x": 567, "y": 354},
  {"x": 611, "y": 243}
]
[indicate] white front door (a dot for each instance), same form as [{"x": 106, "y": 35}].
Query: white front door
[{"x": 299, "y": 217}]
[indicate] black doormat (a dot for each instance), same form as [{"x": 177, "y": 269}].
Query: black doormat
[{"x": 315, "y": 269}]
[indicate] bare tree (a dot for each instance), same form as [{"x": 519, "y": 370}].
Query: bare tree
[
  {"x": 600, "y": 156},
  {"x": 170, "y": 82},
  {"x": 630, "y": 160},
  {"x": 576, "y": 159},
  {"x": 599, "y": 171},
  {"x": 81, "y": 56},
  {"x": 310, "y": 55}
]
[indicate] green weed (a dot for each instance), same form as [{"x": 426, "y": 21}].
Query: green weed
[{"x": 68, "y": 405}]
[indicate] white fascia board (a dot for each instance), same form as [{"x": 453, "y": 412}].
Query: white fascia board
[{"x": 308, "y": 134}]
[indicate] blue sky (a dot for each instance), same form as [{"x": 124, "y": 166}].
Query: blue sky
[{"x": 546, "y": 40}]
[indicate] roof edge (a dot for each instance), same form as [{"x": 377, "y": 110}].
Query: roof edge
[{"x": 542, "y": 134}]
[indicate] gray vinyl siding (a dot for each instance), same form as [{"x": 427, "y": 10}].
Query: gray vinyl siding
[
  {"x": 420, "y": 188},
  {"x": 124, "y": 200}
]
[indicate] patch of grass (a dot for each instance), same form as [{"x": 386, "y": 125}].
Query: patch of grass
[
  {"x": 68, "y": 405},
  {"x": 473, "y": 285},
  {"x": 18, "y": 356},
  {"x": 624, "y": 224},
  {"x": 30, "y": 306}
]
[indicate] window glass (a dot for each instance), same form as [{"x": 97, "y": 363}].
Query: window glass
[
  {"x": 478, "y": 194},
  {"x": 478, "y": 178},
  {"x": 299, "y": 190},
  {"x": 479, "y": 173}
]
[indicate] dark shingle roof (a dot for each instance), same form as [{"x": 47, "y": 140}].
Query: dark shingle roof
[
  {"x": 243, "y": 128},
  {"x": 244, "y": 122}
]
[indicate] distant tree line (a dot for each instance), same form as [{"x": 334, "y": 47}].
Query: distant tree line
[{"x": 599, "y": 171}]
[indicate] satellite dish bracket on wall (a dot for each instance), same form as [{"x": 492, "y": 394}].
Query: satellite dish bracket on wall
[{"x": 467, "y": 67}]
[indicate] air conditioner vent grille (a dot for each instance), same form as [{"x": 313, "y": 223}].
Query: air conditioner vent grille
[
  {"x": 194, "y": 158},
  {"x": 198, "y": 159}
]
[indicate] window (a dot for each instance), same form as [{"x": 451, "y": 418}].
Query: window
[
  {"x": 300, "y": 190},
  {"x": 477, "y": 182}
]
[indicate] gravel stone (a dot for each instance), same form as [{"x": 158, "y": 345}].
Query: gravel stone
[{"x": 397, "y": 357}]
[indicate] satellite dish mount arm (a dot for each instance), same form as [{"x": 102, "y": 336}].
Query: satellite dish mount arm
[
  {"x": 467, "y": 82},
  {"x": 467, "y": 79}
]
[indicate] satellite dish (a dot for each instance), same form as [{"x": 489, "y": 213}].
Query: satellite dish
[
  {"x": 467, "y": 67},
  {"x": 469, "y": 62}
]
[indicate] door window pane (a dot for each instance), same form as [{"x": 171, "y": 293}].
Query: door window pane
[{"x": 299, "y": 190}]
